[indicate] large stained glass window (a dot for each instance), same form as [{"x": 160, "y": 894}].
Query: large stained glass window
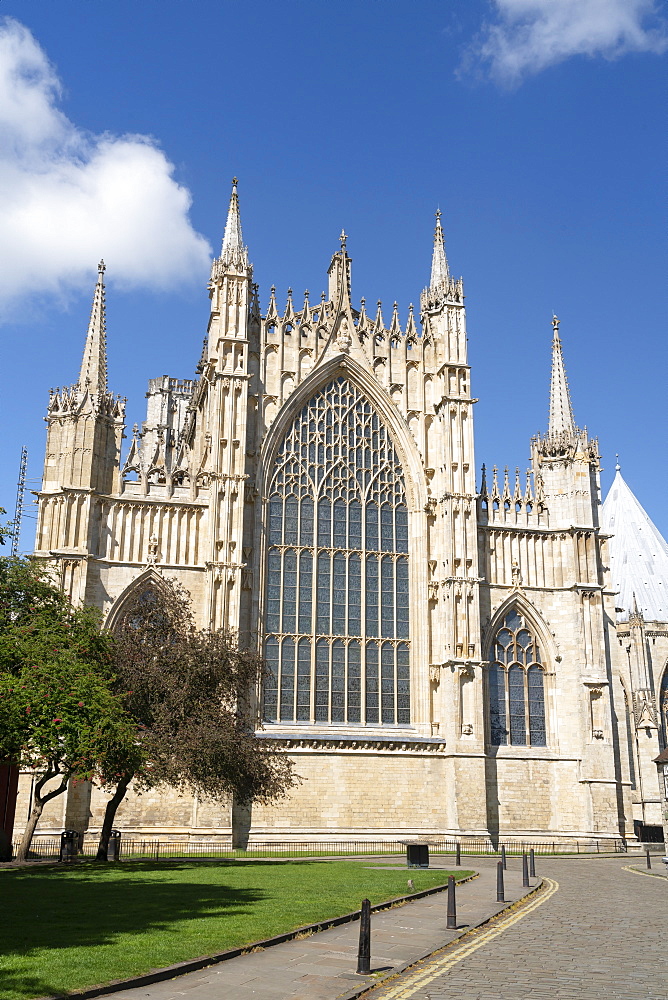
[
  {"x": 515, "y": 686},
  {"x": 336, "y": 620}
]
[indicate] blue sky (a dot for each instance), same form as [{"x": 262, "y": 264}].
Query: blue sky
[{"x": 538, "y": 129}]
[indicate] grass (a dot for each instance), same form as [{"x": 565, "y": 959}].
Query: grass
[{"x": 65, "y": 928}]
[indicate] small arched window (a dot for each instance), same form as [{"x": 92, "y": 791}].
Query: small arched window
[{"x": 516, "y": 688}]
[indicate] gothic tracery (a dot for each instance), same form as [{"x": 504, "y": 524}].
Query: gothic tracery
[{"x": 337, "y": 618}]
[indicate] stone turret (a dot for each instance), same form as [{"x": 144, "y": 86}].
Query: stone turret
[
  {"x": 85, "y": 424},
  {"x": 566, "y": 460}
]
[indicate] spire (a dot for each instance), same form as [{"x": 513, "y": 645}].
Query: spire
[
  {"x": 93, "y": 373},
  {"x": 440, "y": 273},
  {"x": 233, "y": 250},
  {"x": 562, "y": 420},
  {"x": 233, "y": 240}
]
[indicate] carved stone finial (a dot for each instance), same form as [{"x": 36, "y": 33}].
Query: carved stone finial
[{"x": 343, "y": 238}]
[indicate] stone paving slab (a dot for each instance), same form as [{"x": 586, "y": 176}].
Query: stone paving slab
[{"x": 322, "y": 966}]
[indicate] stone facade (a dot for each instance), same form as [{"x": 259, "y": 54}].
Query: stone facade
[{"x": 490, "y": 699}]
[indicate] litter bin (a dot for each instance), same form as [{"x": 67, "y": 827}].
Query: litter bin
[
  {"x": 417, "y": 854},
  {"x": 69, "y": 843},
  {"x": 114, "y": 846}
]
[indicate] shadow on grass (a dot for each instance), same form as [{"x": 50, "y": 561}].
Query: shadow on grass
[{"x": 88, "y": 905}]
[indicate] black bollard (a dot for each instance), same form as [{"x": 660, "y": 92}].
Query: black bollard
[
  {"x": 364, "y": 951},
  {"x": 500, "y": 897},
  {"x": 458, "y": 855},
  {"x": 525, "y": 870},
  {"x": 452, "y": 905},
  {"x": 649, "y": 863},
  {"x": 503, "y": 857},
  {"x": 532, "y": 863}
]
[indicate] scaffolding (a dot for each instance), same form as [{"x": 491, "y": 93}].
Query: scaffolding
[{"x": 20, "y": 496}]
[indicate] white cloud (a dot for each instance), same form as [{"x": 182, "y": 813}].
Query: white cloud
[
  {"x": 68, "y": 197},
  {"x": 529, "y": 35}
]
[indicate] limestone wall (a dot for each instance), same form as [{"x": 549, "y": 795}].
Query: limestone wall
[{"x": 347, "y": 793}]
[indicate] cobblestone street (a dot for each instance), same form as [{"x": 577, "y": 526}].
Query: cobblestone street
[{"x": 599, "y": 934}]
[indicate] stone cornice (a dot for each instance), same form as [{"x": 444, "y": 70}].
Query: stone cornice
[
  {"x": 529, "y": 530},
  {"x": 141, "y": 564},
  {"x": 138, "y": 498},
  {"x": 361, "y": 743}
]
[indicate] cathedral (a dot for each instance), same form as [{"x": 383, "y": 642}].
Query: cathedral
[{"x": 448, "y": 653}]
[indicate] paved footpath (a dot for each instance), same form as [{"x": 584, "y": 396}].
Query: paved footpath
[
  {"x": 594, "y": 931},
  {"x": 322, "y": 966},
  {"x": 599, "y": 932}
]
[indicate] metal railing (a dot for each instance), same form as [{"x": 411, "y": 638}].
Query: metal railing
[{"x": 44, "y": 848}]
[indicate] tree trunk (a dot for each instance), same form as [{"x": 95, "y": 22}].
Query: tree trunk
[
  {"x": 110, "y": 815},
  {"x": 39, "y": 802}
]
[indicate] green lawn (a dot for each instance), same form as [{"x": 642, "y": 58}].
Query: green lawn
[{"x": 64, "y": 928}]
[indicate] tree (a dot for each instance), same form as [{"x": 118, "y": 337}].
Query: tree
[
  {"x": 28, "y": 588},
  {"x": 58, "y": 713},
  {"x": 190, "y": 692},
  {"x": 5, "y": 529}
]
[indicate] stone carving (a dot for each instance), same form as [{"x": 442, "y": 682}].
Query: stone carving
[
  {"x": 152, "y": 550},
  {"x": 344, "y": 340}
]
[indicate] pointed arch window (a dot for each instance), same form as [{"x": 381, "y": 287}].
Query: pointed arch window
[
  {"x": 516, "y": 686},
  {"x": 663, "y": 706},
  {"x": 135, "y": 601},
  {"x": 337, "y": 621}
]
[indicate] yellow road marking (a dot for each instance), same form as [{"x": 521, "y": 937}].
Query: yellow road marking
[
  {"x": 639, "y": 871},
  {"x": 435, "y": 968}
]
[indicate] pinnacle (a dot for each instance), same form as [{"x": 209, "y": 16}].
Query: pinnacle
[
  {"x": 233, "y": 239},
  {"x": 562, "y": 420},
  {"x": 440, "y": 272},
  {"x": 233, "y": 250},
  {"x": 93, "y": 374}
]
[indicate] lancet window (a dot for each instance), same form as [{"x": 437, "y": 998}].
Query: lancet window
[
  {"x": 516, "y": 688},
  {"x": 336, "y": 610},
  {"x": 663, "y": 703}
]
